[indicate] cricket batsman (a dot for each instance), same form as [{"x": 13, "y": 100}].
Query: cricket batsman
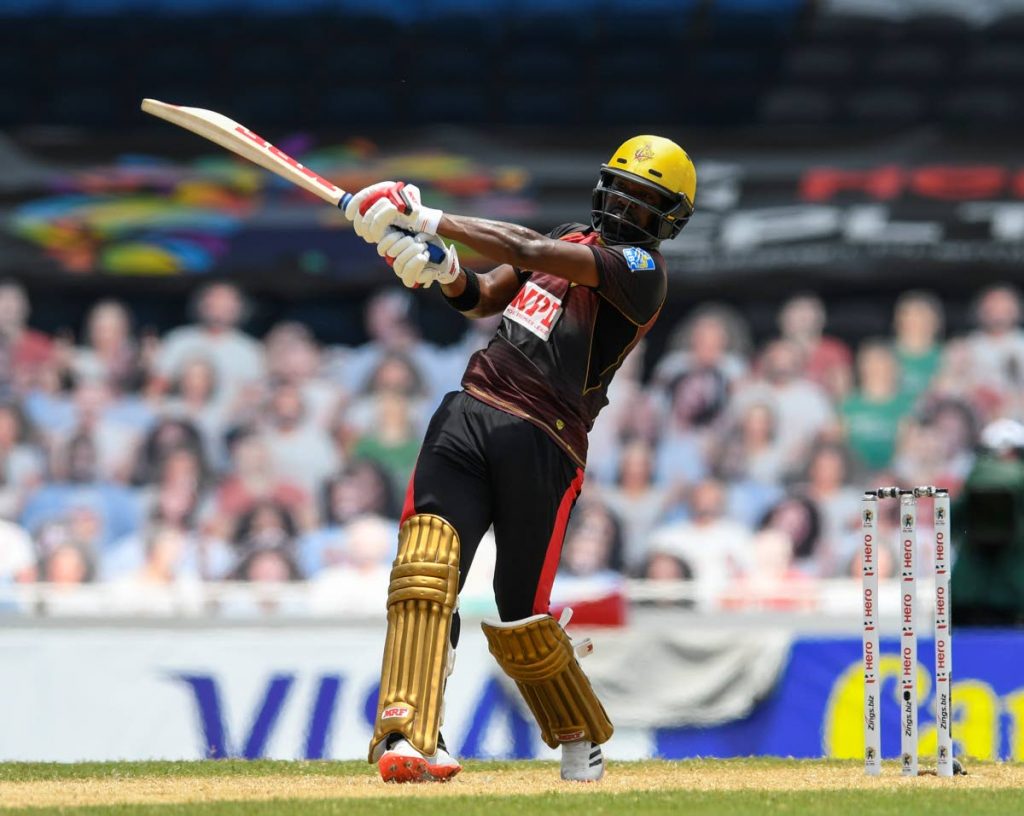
[{"x": 510, "y": 448}]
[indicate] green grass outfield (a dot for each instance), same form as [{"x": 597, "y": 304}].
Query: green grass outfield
[{"x": 692, "y": 787}]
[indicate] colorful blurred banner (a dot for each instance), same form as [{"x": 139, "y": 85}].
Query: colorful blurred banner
[
  {"x": 915, "y": 204},
  {"x": 142, "y": 216}
]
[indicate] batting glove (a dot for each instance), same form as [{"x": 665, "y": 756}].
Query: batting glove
[
  {"x": 387, "y": 204},
  {"x": 409, "y": 257}
]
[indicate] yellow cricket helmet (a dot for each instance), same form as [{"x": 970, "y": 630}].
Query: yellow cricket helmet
[{"x": 629, "y": 213}]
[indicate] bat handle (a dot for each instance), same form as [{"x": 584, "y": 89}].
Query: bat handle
[{"x": 435, "y": 252}]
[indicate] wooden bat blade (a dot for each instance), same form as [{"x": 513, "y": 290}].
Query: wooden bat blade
[
  {"x": 243, "y": 142},
  {"x": 240, "y": 140}
]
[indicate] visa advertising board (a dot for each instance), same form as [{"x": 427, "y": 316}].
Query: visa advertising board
[{"x": 71, "y": 694}]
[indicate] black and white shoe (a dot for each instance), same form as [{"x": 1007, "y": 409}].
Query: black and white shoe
[{"x": 582, "y": 761}]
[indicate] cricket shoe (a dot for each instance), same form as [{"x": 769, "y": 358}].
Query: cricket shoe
[
  {"x": 582, "y": 761},
  {"x": 400, "y": 762}
]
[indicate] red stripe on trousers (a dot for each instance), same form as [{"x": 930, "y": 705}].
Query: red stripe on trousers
[
  {"x": 409, "y": 506},
  {"x": 542, "y": 600}
]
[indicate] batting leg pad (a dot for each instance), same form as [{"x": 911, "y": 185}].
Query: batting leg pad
[
  {"x": 421, "y": 600},
  {"x": 538, "y": 654}
]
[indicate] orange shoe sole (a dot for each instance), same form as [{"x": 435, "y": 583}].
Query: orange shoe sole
[
  {"x": 402, "y": 769},
  {"x": 442, "y": 773}
]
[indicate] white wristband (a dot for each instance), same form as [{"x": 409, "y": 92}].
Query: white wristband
[{"x": 427, "y": 220}]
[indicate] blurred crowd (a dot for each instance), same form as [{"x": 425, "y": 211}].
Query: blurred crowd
[{"x": 209, "y": 454}]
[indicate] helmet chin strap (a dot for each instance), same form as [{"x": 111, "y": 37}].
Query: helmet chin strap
[
  {"x": 623, "y": 232},
  {"x": 616, "y": 229}
]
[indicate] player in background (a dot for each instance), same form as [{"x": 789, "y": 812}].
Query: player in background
[{"x": 510, "y": 448}]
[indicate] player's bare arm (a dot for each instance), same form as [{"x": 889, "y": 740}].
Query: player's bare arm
[
  {"x": 497, "y": 288},
  {"x": 521, "y": 247},
  {"x": 639, "y": 201}
]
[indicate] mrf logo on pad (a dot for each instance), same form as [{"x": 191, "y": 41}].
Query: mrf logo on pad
[{"x": 534, "y": 309}]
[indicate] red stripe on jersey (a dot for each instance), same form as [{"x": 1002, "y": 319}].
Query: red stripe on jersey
[
  {"x": 542, "y": 600},
  {"x": 587, "y": 238}
]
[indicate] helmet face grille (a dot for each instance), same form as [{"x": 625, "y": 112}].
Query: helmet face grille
[{"x": 621, "y": 218}]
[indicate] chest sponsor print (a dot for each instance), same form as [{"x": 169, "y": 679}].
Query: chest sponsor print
[{"x": 535, "y": 309}]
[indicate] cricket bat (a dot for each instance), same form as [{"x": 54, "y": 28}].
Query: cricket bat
[{"x": 241, "y": 141}]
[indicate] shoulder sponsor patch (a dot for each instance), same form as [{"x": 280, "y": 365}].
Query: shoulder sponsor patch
[
  {"x": 638, "y": 259},
  {"x": 534, "y": 309}
]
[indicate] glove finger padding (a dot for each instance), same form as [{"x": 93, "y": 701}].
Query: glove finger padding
[
  {"x": 356, "y": 202},
  {"x": 394, "y": 243},
  {"x": 378, "y": 219},
  {"x": 426, "y": 277},
  {"x": 352, "y": 210},
  {"x": 411, "y": 262}
]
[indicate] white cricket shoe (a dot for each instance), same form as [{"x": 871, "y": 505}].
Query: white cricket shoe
[
  {"x": 400, "y": 762},
  {"x": 582, "y": 761}
]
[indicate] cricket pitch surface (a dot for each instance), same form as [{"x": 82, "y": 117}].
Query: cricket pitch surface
[{"x": 730, "y": 787}]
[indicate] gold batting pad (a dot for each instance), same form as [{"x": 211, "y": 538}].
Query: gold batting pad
[
  {"x": 421, "y": 600},
  {"x": 538, "y": 654}
]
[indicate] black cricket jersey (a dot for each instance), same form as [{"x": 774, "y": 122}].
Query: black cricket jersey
[{"x": 560, "y": 343}]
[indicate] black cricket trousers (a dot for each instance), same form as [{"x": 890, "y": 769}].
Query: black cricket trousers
[{"x": 479, "y": 466}]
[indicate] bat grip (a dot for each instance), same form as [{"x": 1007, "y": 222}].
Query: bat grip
[{"x": 435, "y": 252}]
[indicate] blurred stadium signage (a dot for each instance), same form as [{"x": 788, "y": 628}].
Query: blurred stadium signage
[
  {"x": 181, "y": 692},
  {"x": 853, "y": 217},
  {"x": 290, "y": 693},
  {"x": 915, "y": 202},
  {"x": 817, "y": 707}
]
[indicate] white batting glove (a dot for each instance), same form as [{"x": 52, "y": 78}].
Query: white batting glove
[
  {"x": 386, "y": 204},
  {"x": 352, "y": 211},
  {"x": 409, "y": 257}
]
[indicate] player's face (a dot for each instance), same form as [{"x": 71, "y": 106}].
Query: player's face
[{"x": 617, "y": 205}]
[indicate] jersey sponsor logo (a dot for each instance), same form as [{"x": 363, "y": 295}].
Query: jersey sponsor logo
[
  {"x": 637, "y": 259},
  {"x": 535, "y": 309}
]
